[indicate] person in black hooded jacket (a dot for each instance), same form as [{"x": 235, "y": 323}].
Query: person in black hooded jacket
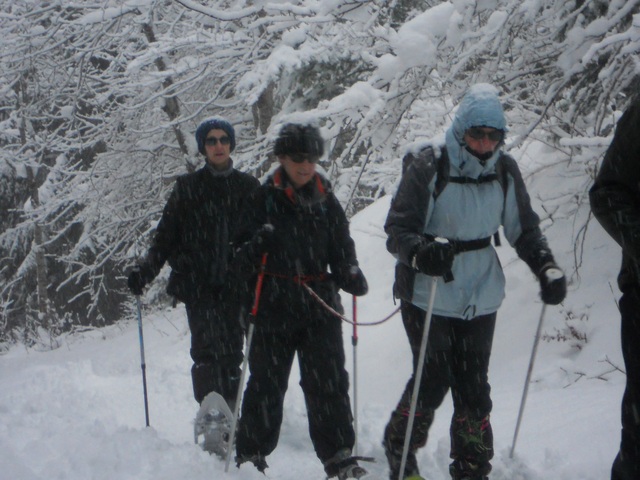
[
  {"x": 615, "y": 202},
  {"x": 194, "y": 236},
  {"x": 297, "y": 221}
]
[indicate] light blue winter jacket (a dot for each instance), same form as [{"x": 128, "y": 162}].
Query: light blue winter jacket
[{"x": 463, "y": 211}]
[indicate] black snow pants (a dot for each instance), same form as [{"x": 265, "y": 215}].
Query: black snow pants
[
  {"x": 457, "y": 358},
  {"x": 316, "y": 336},
  {"x": 627, "y": 463},
  {"x": 216, "y": 349}
]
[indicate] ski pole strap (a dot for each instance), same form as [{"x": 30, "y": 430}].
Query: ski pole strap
[{"x": 465, "y": 245}]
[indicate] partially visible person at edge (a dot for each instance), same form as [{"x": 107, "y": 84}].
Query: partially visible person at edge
[
  {"x": 465, "y": 206},
  {"x": 194, "y": 236},
  {"x": 297, "y": 221},
  {"x": 615, "y": 202}
]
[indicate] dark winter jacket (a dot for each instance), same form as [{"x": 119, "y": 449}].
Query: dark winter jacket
[
  {"x": 311, "y": 234},
  {"x": 195, "y": 231},
  {"x": 615, "y": 195}
]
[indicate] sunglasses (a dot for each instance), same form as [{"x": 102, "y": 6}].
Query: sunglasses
[
  {"x": 300, "y": 158},
  {"x": 479, "y": 134},
  {"x": 213, "y": 141}
]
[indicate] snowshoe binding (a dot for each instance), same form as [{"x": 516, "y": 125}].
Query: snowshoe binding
[
  {"x": 344, "y": 466},
  {"x": 213, "y": 422}
]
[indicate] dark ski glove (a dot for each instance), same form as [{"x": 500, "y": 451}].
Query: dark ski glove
[
  {"x": 263, "y": 240},
  {"x": 138, "y": 279},
  {"x": 553, "y": 284},
  {"x": 433, "y": 258},
  {"x": 351, "y": 279}
]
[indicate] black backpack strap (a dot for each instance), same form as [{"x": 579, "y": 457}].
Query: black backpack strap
[
  {"x": 501, "y": 173},
  {"x": 492, "y": 177},
  {"x": 442, "y": 174}
]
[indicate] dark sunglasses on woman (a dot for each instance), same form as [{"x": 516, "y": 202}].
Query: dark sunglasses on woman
[
  {"x": 213, "y": 141},
  {"x": 301, "y": 157},
  {"x": 478, "y": 133}
]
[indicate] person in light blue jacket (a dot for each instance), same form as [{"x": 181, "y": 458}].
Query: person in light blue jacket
[{"x": 450, "y": 202}]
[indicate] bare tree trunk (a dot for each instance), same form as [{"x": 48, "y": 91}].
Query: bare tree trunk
[
  {"x": 35, "y": 180},
  {"x": 171, "y": 106},
  {"x": 41, "y": 276},
  {"x": 39, "y": 251},
  {"x": 263, "y": 109}
]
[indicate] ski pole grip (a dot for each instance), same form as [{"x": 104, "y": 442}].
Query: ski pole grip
[{"x": 447, "y": 277}]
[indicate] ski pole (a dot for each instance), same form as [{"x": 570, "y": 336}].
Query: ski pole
[
  {"x": 418, "y": 378},
  {"x": 528, "y": 379},
  {"x": 354, "y": 342},
  {"x": 142, "y": 362},
  {"x": 252, "y": 317}
]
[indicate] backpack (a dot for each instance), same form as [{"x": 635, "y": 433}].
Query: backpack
[{"x": 443, "y": 178}]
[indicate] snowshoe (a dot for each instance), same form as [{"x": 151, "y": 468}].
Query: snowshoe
[
  {"x": 352, "y": 471},
  {"x": 344, "y": 466},
  {"x": 213, "y": 422}
]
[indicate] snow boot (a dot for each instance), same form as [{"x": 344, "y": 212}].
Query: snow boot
[
  {"x": 344, "y": 466},
  {"x": 394, "y": 436},
  {"x": 213, "y": 423},
  {"x": 465, "y": 470},
  {"x": 393, "y": 452},
  {"x": 258, "y": 460}
]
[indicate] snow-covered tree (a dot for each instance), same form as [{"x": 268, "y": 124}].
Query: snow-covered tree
[{"x": 99, "y": 102}]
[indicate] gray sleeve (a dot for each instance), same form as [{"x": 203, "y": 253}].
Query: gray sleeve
[
  {"x": 408, "y": 212},
  {"x": 521, "y": 224}
]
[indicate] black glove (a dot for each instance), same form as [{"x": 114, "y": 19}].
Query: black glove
[
  {"x": 264, "y": 239},
  {"x": 433, "y": 258},
  {"x": 553, "y": 284},
  {"x": 351, "y": 279},
  {"x": 137, "y": 280}
]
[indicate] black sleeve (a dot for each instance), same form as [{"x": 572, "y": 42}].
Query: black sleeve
[
  {"x": 343, "y": 249},
  {"x": 615, "y": 195},
  {"x": 408, "y": 212},
  {"x": 166, "y": 238},
  {"x": 244, "y": 262}
]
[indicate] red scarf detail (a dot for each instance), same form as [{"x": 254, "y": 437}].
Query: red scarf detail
[{"x": 279, "y": 179}]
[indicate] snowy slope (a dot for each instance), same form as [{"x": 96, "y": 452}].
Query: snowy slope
[{"x": 76, "y": 413}]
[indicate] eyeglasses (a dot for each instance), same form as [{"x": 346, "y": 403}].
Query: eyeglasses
[
  {"x": 478, "y": 133},
  {"x": 301, "y": 157},
  {"x": 213, "y": 141}
]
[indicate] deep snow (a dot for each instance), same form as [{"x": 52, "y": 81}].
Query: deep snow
[{"x": 77, "y": 412}]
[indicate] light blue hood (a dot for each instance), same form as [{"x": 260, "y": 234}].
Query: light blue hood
[{"x": 480, "y": 107}]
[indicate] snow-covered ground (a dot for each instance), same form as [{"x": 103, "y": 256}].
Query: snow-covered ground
[{"x": 77, "y": 412}]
